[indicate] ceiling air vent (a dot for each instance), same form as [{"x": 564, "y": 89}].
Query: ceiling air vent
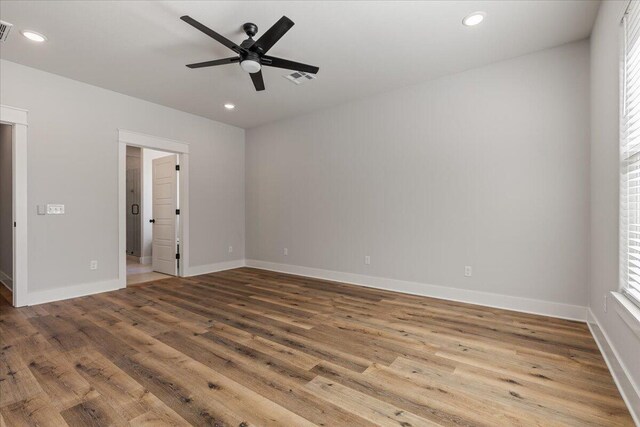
[
  {"x": 299, "y": 77},
  {"x": 5, "y": 27}
]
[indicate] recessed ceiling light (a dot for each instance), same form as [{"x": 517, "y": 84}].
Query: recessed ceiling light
[
  {"x": 33, "y": 36},
  {"x": 474, "y": 19},
  {"x": 229, "y": 106}
]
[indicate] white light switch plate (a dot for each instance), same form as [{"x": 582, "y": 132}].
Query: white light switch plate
[{"x": 55, "y": 209}]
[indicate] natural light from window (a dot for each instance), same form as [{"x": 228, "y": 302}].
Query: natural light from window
[{"x": 630, "y": 157}]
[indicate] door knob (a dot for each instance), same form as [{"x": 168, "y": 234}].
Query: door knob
[{"x": 152, "y": 221}]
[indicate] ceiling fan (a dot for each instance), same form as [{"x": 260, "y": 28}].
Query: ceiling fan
[{"x": 252, "y": 53}]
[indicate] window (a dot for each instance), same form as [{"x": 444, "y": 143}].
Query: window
[{"x": 630, "y": 157}]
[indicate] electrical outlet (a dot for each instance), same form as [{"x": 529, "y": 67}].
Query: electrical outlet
[
  {"x": 604, "y": 303},
  {"x": 55, "y": 209},
  {"x": 367, "y": 260},
  {"x": 230, "y": 249},
  {"x": 93, "y": 264},
  {"x": 467, "y": 271},
  {"x": 286, "y": 251}
]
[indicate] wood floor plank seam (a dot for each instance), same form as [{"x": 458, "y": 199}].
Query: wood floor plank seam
[{"x": 248, "y": 347}]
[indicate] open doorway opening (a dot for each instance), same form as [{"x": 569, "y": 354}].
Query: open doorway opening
[
  {"x": 152, "y": 214},
  {"x": 6, "y": 214},
  {"x": 179, "y": 200}
]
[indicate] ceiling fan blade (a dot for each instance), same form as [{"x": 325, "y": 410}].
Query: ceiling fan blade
[
  {"x": 258, "y": 82},
  {"x": 272, "y": 35},
  {"x": 214, "y": 62},
  {"x": 272, "y": 61},
  {"x": 208, "y": 31}
]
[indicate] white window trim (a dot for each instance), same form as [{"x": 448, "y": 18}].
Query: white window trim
[{"x": 628, "y": 311}]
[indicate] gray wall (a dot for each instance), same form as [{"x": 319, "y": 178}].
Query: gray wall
[
  {"x": 6, "y": 203},
  {"x": 73, "y": 159},
  {"x": 487, "y": 168},
  {"x": 605, "y": 178}
]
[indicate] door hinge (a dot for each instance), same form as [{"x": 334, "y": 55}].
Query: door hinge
[
  {"x": 14, "y": 223},
  {"x": 177, "y": 167},
  {"x": 177, "y": 256},
  {"x": 177, "y": 211}
]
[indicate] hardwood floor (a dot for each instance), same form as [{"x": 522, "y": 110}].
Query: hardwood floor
[
  {"x": 141, "y": 273},
  {"x": 250, "y": 347}
]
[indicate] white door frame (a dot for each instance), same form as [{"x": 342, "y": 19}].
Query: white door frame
[
  {"x": 136, "y": 139},
  {"x": 17, "y": 118}
]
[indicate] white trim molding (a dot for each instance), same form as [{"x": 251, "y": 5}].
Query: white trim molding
[
  {"x": 628, "y": 389},
  {"x": 628, "y": 311},
  {"x": 57, "y": 294},
  {"x": 76, "y": 291},
  {"x": 17, "y": 118},
  {"x": 150, "y": 141},
  {"x": 525, "y": 305},
  {"x": 13, "y": 115},
  {"x": 136, "y": 139},
  {"x": 212, "y": 268}
]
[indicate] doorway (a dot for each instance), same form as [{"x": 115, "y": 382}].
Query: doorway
[
  {"x": 153, "y": 205},
  {"x": 6, "y": 213},
  {"x": 152, "y": 214},
  {"x": 13, "y": 231}
]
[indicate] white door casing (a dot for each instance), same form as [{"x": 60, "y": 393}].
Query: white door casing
[
  {"x": 136, "y": 139},
  {"x": 164, "y": 245}
]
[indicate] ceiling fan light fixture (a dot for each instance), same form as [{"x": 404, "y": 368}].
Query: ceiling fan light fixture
[
  {"x": 250, "y": 66},
  {"x": 474, "y": 19},
  {"x": 251, "y": 54}
]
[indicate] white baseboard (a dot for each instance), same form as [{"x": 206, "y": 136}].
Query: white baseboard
[
  {"x": 629, "y": 391},
  {"x": 212, "y": 268},
  {"x": 58, "y": 294},
  {"x": 144, "y": 260},
  {"x": 525, "y": 305}
]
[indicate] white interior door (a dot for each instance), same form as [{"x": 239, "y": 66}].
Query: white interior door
[{"x": 164, "y": 245}]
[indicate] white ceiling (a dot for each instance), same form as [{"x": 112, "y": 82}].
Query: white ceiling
[{"x": 362, "y": 48}]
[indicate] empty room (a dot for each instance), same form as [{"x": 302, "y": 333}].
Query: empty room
[{"x": 320, "y": 213}]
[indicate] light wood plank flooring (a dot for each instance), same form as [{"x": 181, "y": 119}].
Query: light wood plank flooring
[
  {"x": 250, "y": 347},
  {"x": 141, "y": 273}
]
